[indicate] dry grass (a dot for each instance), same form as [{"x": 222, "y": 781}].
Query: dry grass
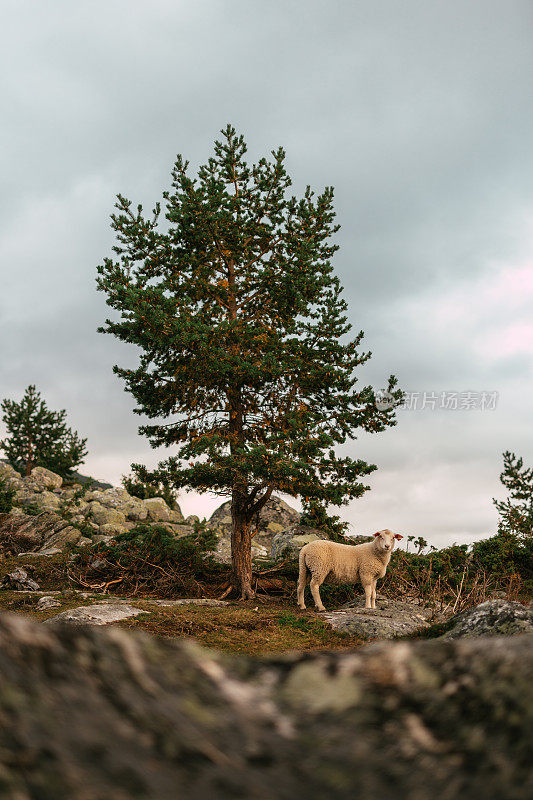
[
  {"x": 246, "y": 628},
  {"x": 451, "y": 593},
  {"x": 50, "y": 572},
  {"x": 268, "y": 627}
]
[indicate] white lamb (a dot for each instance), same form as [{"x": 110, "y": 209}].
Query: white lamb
[{"x": 344, "y": 563}]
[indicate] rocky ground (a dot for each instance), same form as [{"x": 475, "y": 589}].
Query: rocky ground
[
  {"x": 91, "y": 713},
  {"x": 80, "y": 514},
  {"x": 390, "y": 619}
]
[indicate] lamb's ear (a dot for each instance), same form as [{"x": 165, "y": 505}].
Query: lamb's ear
[
  {"x": 377, "y": 534},
  {"x": 398, "y": 536}
]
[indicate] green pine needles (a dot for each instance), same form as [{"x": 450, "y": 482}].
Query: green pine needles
[
  {"x": 516, "y": 512},
  {"x": 38, "y": 437},
  {"x": 246, "y": 369}
]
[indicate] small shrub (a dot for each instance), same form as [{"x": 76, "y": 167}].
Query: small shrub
[
  {"x": 32, "y": 510},
  {"x": 162, "y": 546},
  {"x": 505, "y": 553},
  {"x": 152, "y": 560},
  {"x": 453, "y": 579},
  {"x": 7, "y": 495},
  {"x": 146, "y": 489}
]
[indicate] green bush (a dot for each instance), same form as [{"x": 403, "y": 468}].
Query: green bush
[
  {"x": 146, "y": 489},
  {"x": 150, "y": 559},
  {"x": 504, "y": 554},
  {"x": 315, "y": 515},
  {"x": 6, "y": 497},
  {"x": 448, "y": 563},
  {"x": 31, "y": 510},
  {"x": 463, "y": 576},
  {"x": 191, "y": 552}
]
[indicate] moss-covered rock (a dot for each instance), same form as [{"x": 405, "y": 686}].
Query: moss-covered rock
[
  {"x": 134, "y": 717},
  {"x": 493, "y": 618},
  {"x": 103, "y": 515},
  {"x": 42, "y": 500},
  {"x": 45, "y": 478},
  {"x": 20, "y": 533}
]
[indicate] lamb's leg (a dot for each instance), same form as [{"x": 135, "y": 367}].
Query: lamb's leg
[
  {"x": 315, "y": 586},
  {"x": 374, "y": 583},
  {"x": 302, "y": 580},
  {"x": 367, "y": 582}
]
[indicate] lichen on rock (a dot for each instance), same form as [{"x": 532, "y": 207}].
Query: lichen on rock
[
  {"x": 492, "y": 618},
  {"x": 135, "y": 717},
  {"x": 288, "y": 543}
]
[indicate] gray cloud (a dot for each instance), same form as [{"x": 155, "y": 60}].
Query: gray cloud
[{"x": 420, "y": 114}]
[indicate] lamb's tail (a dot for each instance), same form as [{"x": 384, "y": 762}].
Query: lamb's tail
[{"x": 302, "y": 578}]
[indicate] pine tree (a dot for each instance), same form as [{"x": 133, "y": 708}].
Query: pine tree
[
  {"x": 244, "y": 340},
  {"x": 516, "y": 513},
  {"x": 38, "y": 437}
]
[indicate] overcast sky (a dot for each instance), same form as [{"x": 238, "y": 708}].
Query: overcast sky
[{"x": 419, "y": 113}]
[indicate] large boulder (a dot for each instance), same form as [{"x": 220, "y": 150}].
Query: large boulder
[
  {"x": 119, "y": 499},
  {"x": 287, "y": 544},
  {"x": 159, "y": 511},
  {"x": 43, "y": 500},
  {"x": 45, "y": 479},
  {"x": 130, "y": 716},
  {"x": 10, "y": 476},
  {"x": 275, "y": 516},
  {"x": 102, "y": 515},
  {"x": 111, "y": 529},
  {"x": 390, "y": 619},
  {"x": 46, "y": 533},
  {"x": 222, "y": 553},
  {"x": 493, "y": 618}
]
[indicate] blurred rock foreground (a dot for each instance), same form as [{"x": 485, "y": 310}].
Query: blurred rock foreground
[{"x": 111, "y": 715}]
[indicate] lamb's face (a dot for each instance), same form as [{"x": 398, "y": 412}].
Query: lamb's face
[{"x": 385, "y": 539}]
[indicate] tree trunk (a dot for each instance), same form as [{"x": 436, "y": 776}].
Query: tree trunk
[
  {"x": 29, "y": 463},
  {"x": 241, "y": 554}
]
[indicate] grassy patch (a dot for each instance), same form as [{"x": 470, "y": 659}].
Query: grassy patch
[
  {"x": 26, "y": 602},
  {"x": 271, "y": 627},
  {"x": 244, "y": 628},
  {"x": 50, "y": 572}
]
